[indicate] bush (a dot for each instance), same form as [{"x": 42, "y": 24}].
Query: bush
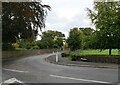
[
  {"x": 74, "y": 57},
  {"x": 35, "y": 47},
  {"x": 6, "y": 46},
  {"x": 63, "y": 54},
  {"x": 28, "y": 46},
  {"x": 16, "y": 45},
  {"x": 56, "y": 46},
  {"x": 65, "y": 45}
]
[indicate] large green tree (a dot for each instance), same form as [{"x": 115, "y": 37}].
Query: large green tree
[
  {"x": 58, "y": 42},
  {"x": 75, "y": 39},
  {"x": 46, "y": 42},
  {"x": 52, "y": 34},
  {"x": 22, "y": 20},
  {"x": 87, "y": 31},
  {"x": 106, "y": 18},
  {"x": 87, "y": 35},
  {"x": 50, "y": 39}
]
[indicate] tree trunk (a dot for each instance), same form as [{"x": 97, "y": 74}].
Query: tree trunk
[{"x": 110, "y": 51}]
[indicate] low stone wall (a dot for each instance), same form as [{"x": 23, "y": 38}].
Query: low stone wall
[
  {"x": 7, "y": 55},
  {"x": 101, "y": 58},
  {"x": 96, "y": 58}
]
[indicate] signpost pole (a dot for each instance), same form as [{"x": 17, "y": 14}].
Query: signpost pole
[{"x": 57, "y": 56}]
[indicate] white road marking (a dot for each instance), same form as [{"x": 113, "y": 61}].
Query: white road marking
[
  {"x": 12, "y": 80},
  {"x": 79, "y": 79},
  {"x": 15, "y": 70}
]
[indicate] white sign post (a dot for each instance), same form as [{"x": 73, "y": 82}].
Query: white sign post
[
  {"x": 53, "y": 52},
  {"x": 57, "y": 56}
]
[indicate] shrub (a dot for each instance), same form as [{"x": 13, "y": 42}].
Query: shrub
[
  {"x": 28, "y": 46},
  {"x": 74, "y": 57},
  {"x": 63, "y": 54},
  {"x": 6, "y": 46},
  {"x": 35, "y": 47},
  {"x": 55, "y": 46},
  {"x": 65, "y": 45},
  {"x": 16, "y": 45}
]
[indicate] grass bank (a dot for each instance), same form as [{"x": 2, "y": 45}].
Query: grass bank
[{"x": 96, "y": 52}]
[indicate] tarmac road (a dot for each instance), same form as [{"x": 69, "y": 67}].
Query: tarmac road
[{"x": 35, "y": 69}]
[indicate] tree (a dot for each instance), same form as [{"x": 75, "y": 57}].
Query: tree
[
  {"x": 106, "y": 18},
  {"x": 87, "y": 35},
  {"x": 22, "y": 20},
  {"x": 87, "y": 31},
  {"x": 60, "y": 34},
  {"x": 53, "y": 34},
  {"x": 52, "y": 39},
  {"x": 58, "y": 43},
  {"x": 75, "y": 38},
  {"x": 46, "y": 42}
]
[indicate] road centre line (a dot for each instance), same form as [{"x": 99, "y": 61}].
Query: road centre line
[
  {"x": 78, "y": 79},
  {"x": 15, "y": 70}
]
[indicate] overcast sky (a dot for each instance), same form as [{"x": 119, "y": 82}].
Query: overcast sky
[{"x": 67, "y": 14}]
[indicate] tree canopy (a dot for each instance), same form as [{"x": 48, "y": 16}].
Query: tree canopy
[
  {"x": 106, "y": 18},
  {"x": 87, "y": 36},
  {"x": 75, "y": 39},
  {"x": 53, "y": 38},
  {"x": 87, "y": 31},
  {"x": 52, "y": 34},
  {"x": 22, "y": 20},
  {"x": 58, "y": 42}
]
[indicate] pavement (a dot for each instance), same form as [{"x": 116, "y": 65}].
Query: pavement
[
  {"x": 35, "y": 70},
  {"x": 68, "y": 62}
]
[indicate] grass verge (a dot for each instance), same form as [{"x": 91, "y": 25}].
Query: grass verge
[{"x": 96, "y": 52}]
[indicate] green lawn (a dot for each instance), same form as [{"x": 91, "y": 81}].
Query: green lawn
[{"x": 97, "y": 52}]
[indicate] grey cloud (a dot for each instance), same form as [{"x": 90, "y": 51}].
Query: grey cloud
[{"x": 67, "y": 14}]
